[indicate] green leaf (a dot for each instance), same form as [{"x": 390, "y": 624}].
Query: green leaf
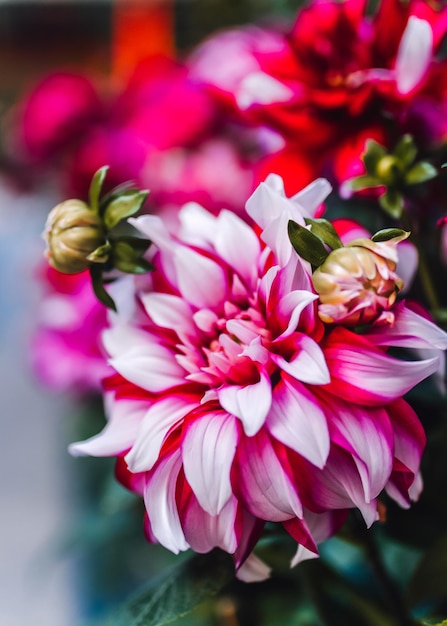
[
  {"x": 420, "y": 173},
  {"x": 307, "y": 245},
  {"x": 392, "y": 203},
  {"x": 405, "y": 150},
  {"x": 178, "y": 591},
  {"x": 101, "y": 254},
  {"x": 139, "y": 266},
  {"x": 123, "y": 206},
  {"x": 364, "y": 182},
  {"x": 95, "y": 188},
  {"x": 139, "y": 244},
  {"x": 98, "y": 287},
  {"x": 374, "y": 152},
  {"x": 325, "y": 231},
  {"x": 127, "y": 258},
  {"x": 388, "y": 233}
]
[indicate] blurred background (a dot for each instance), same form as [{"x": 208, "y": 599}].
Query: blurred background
[{"x": 61, "y": 563}]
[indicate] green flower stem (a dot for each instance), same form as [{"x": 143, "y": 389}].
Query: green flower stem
[
  {"x": 423, "y": 269},
  {"x": 427, "y": 283}
]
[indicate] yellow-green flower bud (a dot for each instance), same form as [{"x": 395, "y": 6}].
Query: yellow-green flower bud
[
  {"x": 358, "y": 284},
  {"x": 73, "y": 232}
]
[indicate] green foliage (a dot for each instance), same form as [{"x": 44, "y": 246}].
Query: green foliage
[
  {"x": 307, "y": 245},
  {"x": 178, "y": 591}
]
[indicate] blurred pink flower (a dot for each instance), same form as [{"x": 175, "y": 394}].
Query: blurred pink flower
[
  {"x": 338, "y": 78},
  {"x": 59, "y": 109},
  {"x": 233, "y": 404},
  {"x": 66, "y": 351}
]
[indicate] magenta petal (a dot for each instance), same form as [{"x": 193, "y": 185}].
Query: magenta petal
[
  {"x": 204, "y": 532},
  {"x": 169, "y": 311},
  {"x": 409, "y": 330},
  {"x": 208, "y": 449},
  {"x": 414, "y": 54},
  {"x": 159, "y": 498},
  {"x": 250, "y": 403},
  {"x": 201, "y": 281},
  {"x": 266, "y": 489},
  {"x": 253, "y": 570},
  {"x": 234, "y": 236},
  {"x": 309, "y": 363},
  {"x": 297, "y": 420},
  {"x": 367, "y": 435},
  {"x": 367, "y": 375},
  {"x": 159, "y": 419},
  {"x": 120, "y": 432}
]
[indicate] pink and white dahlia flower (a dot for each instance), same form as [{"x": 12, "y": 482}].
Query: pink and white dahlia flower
[{"x": 233, "y": 404}]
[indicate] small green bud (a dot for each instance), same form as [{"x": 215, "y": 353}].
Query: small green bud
[
  {"x": 389, "y": 170},
  {"x": 73, "y": 232}
]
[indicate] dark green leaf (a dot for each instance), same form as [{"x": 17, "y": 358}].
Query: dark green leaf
[
  {"x": 388, "y": 233},
  {"x": 325, "y": 231},
  {"x": 392, "y": 203},
  {"x": 98, "y": 287},
  {"x": 178, "y": 591},
  {"x": 139, "y": 266},
  {"x": 122, "y": 207},
  {"x": 127, "y": 258},
  {"x": 405, "y": 150},
  {"x": 429, "y": 582},
  {"x": 308, "y": 246},
  {"x": 374, "y": 152},
  {"x": 420, "y": 173},
  {"x": 95, "y": 188},
  {"x": 364, "y": 182},
  {"x": 101, "y": 254},
  {"x": 139, "y": 244}
]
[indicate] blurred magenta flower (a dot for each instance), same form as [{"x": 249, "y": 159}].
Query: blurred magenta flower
[
  {"x": 341, "y": 77},
  {"x": 233, "y": 404},
  {"x": 59, "y": 109},
  {"x": 66, "y": 351}
]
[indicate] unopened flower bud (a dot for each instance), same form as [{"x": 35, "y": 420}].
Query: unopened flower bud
[
  {"x": 358, "y": 284},
  {"x": 389, "y": 169},
  {"x": 73, "y": 232}
]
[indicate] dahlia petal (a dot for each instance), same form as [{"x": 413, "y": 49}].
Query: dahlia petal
[
  {"x": 120, "y": 432},
  {"x": 409, "y": 330},
  {"x": 204, "y": 532},
  {"x": 159, "y": 498},
  {"x": 368, "y": 436},
  {"x": 409, "y": 435},
  {"x": 150, "y": 366},
  {"x": 414, "y": 54},
  {"x": 253, "y": 570},
  {"x": 322, "y": 526},
  {"x": 302, "y": 554},
  {"x": 290, "y": 308},
  {"x": 157, "y": 422},
  {"x": 197, "y": 225},
  {"x": 308, "y": 365},
  {"x": 205, "y": 320},
  {"x": 208, "y": 449},
  {"x": 169, "y": 311},
  {"x": 261, "y": 88},
  {"x": 201, "y": 281},
  {"x": 250, "y": 403},
  {"x": 297, "y": 420},
  {"x": 310, "y": 198},
  {"x": 265, "y": 487},
  {"x": 234, "y": 236},
  {"x": 339, "y": 486},
  {"x": 367, "y": 375}
]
